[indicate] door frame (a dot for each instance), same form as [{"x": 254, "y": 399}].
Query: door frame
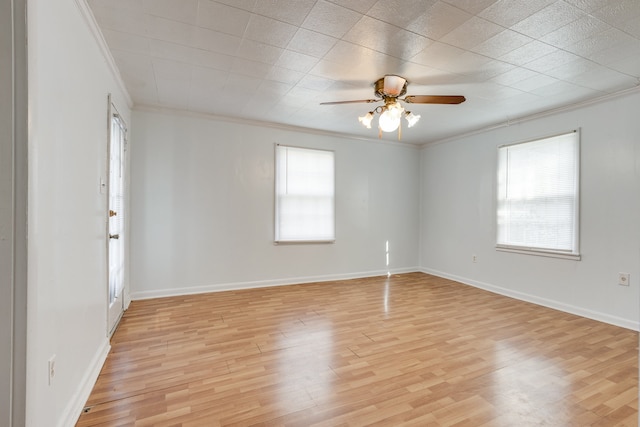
[{"x": 13, "y": 211}]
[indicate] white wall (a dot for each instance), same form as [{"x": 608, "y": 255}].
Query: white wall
[
  {"x": 69, "y": 81},
  {"x": 457, "y": 214},
  {"x": 202, "y": 207}
]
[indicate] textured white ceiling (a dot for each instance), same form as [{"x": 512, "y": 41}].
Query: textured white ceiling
[{"x": 276, "y": 60}]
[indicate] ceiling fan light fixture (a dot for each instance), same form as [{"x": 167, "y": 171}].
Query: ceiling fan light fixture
[
  {"x": 366, "y": 119},
  {"x": 412, "y": 119},
  {"x": 390, "y": 89},
  {"x": 390, "y": 119}
]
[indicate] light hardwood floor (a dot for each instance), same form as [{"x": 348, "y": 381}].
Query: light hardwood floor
[{"x": 411, "y": 349}]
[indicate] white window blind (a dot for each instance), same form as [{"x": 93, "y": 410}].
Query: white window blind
[
  {"x": 537, "y": 209},
  {"x": 305, "y": 193}
]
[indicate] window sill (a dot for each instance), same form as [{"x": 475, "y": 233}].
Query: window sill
[
  {"x": 302, "y": 242},
  {"x": 539, "y": 252}
]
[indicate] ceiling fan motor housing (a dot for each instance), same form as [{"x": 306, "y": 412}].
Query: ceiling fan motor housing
[{"x": 391, "y": 86}]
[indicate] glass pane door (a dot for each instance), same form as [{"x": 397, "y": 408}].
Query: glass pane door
[{"x": 116, "y": 214}]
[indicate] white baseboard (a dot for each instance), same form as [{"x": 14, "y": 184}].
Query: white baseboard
[
  {"x": 590, "y": 314},
  {"x": 140, "y": 295},
  {"x": 76, "y": 404},
  {"x": 567, "y": 308}
]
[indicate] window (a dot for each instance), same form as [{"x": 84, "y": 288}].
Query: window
[
  {"x": 537, "y": 210},
  {"x": 304, "y": 195}
]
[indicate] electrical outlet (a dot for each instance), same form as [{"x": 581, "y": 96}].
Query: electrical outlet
[
  {"x": 623, "y": 279},
  {"x": 474, "y": 258},
  {"x": 52, "y": 368}
]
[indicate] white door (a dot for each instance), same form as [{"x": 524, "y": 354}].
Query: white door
[{"x": 116, "y": 222}]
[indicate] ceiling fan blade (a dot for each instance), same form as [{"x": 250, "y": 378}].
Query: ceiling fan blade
[
  {"x": 368, "y": 101},
  {"x": 434, "y": 99}
]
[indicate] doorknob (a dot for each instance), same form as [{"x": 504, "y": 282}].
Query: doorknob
[
  {"x": 114, "y": 236},
  {"x": 112, "y": 213}
]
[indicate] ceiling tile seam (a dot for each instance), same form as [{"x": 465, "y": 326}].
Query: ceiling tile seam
[
  {"x": 442, "y": 42},
  {"x": 315, "y": 32},
  {"x": 400, "y": 28},
  {"x": 417, "y": 63},
  {"x": 283, "y": 49},
  {"x": 611, "y": 25},
  {"x": 253, "y": 12},
  {"x": 308, "y": 13},
  {"x": 627, "y": 33},
  {"x": 243, "y": 37},
  {"x": 605, "y": 8},
  {"x": 490, "y": 58},
  {"x": 466, "y": 11},
  {"x": 236, "y": 58},
  {"x": 525, "y": 118},
  {"x": 324, "y": 56},
  {"x": 151, "y": 38},
  {"x": 573, "y": 82},
  {"x": 565, "y": 49},
  {"x": 196, "y": 25},
  {"x": 384, "y": 53},
  {"x": 190, "y": 46},
  {"x": 415, "y": 32},
  {"x": 584, "y": 10},
  {"x": 422, "y": 35},
  {"x": 342, "y": 38},
  {"x": 352, "y": 10},
  {"x": 532, "y": 91},
  {"x": 539, "y": 41},
  {"x": 260, "y": 41},
  {"x": 165, "y": 17},
  {"x": 184, "y": 62}
]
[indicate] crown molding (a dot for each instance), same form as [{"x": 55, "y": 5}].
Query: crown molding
[
  {"x": 264, "y": 124},
  {"x": 90, "y": 20}
]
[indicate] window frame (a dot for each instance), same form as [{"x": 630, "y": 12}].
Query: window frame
[
  {"x": 574, "y": 253},
  {"x": 277, "y": 240}
]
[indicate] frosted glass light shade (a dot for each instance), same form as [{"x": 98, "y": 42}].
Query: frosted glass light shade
[
  {"x": 366, "y": 119},
  {"x": 412, "y": 119},
  {"x": 390, "y": 118},
  {"x": 388, "y": 122},
  {"x": 393, "y": 85}
]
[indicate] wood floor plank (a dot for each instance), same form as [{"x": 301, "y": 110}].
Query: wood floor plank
[{"x": 410, "y": 349}]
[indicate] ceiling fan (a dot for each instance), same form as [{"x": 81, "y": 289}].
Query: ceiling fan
[{"x": 389, "y": 89}]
